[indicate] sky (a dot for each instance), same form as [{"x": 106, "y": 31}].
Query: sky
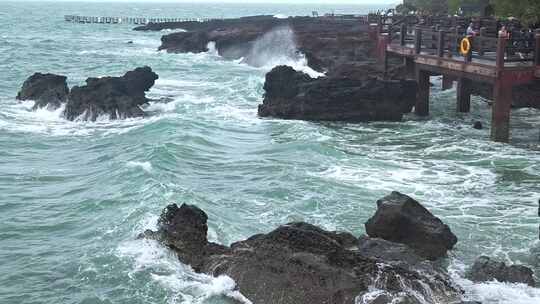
[{"x": 329, "y": 2}]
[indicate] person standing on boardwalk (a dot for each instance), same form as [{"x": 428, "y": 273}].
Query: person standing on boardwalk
[{"x": 470, "y": 30}]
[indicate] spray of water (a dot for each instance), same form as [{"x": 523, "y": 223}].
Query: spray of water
[{"x": 278, "y": 47}]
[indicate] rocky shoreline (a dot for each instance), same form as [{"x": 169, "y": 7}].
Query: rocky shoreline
[
  {"x": 331, "y": 45},
  {"x": 398, "y": 262}
]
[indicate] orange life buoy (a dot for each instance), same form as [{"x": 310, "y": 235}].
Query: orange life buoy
[{"x": 465, "y": 46}]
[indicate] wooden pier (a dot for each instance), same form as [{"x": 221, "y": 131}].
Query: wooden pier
[
  {"x": 432, "y": 51},
  {"x": 130, "y": 20}
]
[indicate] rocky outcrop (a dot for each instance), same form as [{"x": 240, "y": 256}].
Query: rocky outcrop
[
  {"x": 326, "y": 43},
  {"x": 117, "y": 97},
  {"x": 301, "y": 263},
  {"x": 290, "y": 94},
  {"x": 401, "y": 219},
  {"x": 485, "y": 269},
  {"x": 47, "y": 90}
]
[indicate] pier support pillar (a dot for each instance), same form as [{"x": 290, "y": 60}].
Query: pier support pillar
[
  {"x": 410, "y": 69},
  {"x": 447, "y": 82},
  {"x": 464, "y": 95},
  {"x": 421, "y": 107},
  {"x": 500, "y": 115}
]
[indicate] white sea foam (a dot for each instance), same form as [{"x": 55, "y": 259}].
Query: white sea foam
[
  {"x": 278, "y": 47},
  {"x": 21, "y": 119},
  {"x": 163, "y": 267},
  {"x": 146, "y": 166},
  {"x": 493, "y": 292}
]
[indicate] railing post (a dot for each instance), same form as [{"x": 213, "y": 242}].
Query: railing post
[
  {"x": 433, "y": 37},
  {"x": 501, "y": 48},
  {"x": 481, "y": 41},
  {"x": 440, "y": 44},
  {"x": 537, "y": 48},
  {"x": 403, "y": 34},
  {"x": 417, "y": 40}
]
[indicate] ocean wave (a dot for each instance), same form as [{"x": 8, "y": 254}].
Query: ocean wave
[{"x": 162, "y": 266}]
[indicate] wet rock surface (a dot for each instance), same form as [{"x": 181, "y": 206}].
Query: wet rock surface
[
  {"x": 401, "y": 219},
  {"x": 290, "y": 94},
  {"x": 116, "y": 97},
  {"x": 47, "y": 90},
  {"x": 301, "y": 263},
  {"x": 326, "y": 43},
  {"x": 485, "y": 269}
]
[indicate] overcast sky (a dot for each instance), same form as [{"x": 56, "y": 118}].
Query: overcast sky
[{"x": 328, "y": 2}]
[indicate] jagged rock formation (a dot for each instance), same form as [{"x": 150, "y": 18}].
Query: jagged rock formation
[
  {"x": 301, "y": 263},
  {"x": 485, "y": 269},
  {"x": 401, "y": 219},
  {"x": 47, "y": 90},
  {"x": 327, "y": 43},
  {"x": 117, "y": 97},
  {"x": 291, "y": 94}
]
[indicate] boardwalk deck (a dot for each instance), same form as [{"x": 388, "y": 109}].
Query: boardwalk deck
[
  {"x": 497, "y": 61},
  {"x": 130, "y": 20}
]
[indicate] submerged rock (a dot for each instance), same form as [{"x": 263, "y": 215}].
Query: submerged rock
[
  {"x": 477, "y": 125},
  {"x": 290, "y": 94},
  {"x": 485, "y": 269},
  {"x": 297, "y": 263},
  {"x": 47, "y": 90},
  {"x": 401, "y": 219},
  {"x": 117, "y": 97}
]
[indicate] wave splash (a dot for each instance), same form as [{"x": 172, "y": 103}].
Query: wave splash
[
  {"x": 278, "y": 47},
  {"x": 151, "y": 259}
]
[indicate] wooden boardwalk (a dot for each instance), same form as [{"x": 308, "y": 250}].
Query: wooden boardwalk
[
  {"x": 130, "y": 20},
  {"x": 500, "y": 62}
]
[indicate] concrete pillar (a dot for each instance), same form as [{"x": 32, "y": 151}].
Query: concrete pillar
[
  {"x": 421, "y": 107},
  {"x": 464, "y": 95},
  {"x": 447, "y": 82},
  {"x": 500, "y": 115}
]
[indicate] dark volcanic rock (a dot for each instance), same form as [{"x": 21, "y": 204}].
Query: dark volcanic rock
[
  {"x": 485, "y": 269},
  {"x": 296, "y": 263},
  {"x": 327, "y": 43},
  {"x": 118, "y": 97},
  {"x": 294, "y": 95},
  {"x": 401, "y": 219},
  {"x": 47, "y": 90}
]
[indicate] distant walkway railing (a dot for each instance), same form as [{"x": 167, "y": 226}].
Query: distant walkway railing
[{"x": 130, "y": 20}]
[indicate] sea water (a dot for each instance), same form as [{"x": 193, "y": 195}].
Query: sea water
[{"x": 74, "y": 195}]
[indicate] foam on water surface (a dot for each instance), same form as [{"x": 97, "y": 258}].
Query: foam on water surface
[{"x": 75, "y": 195}]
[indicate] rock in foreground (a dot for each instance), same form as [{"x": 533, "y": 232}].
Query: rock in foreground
[
  {"x": 47, "y": 90},
  {"x": 297, "y": 263},
  {"x": 117, "y": 97},
  {"x": 290, "y": 94},
  {"x": 485, "y": 269},
  {"x": 401, "y": 219}
]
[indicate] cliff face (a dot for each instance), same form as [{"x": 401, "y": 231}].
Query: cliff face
[{"x": 326, "y": 43}]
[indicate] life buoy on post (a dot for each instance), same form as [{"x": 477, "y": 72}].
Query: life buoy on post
[{"x": 465, "y": 46}]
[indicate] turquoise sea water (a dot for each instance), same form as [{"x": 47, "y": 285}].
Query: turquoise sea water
[{"x": 74, "y": 195}]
